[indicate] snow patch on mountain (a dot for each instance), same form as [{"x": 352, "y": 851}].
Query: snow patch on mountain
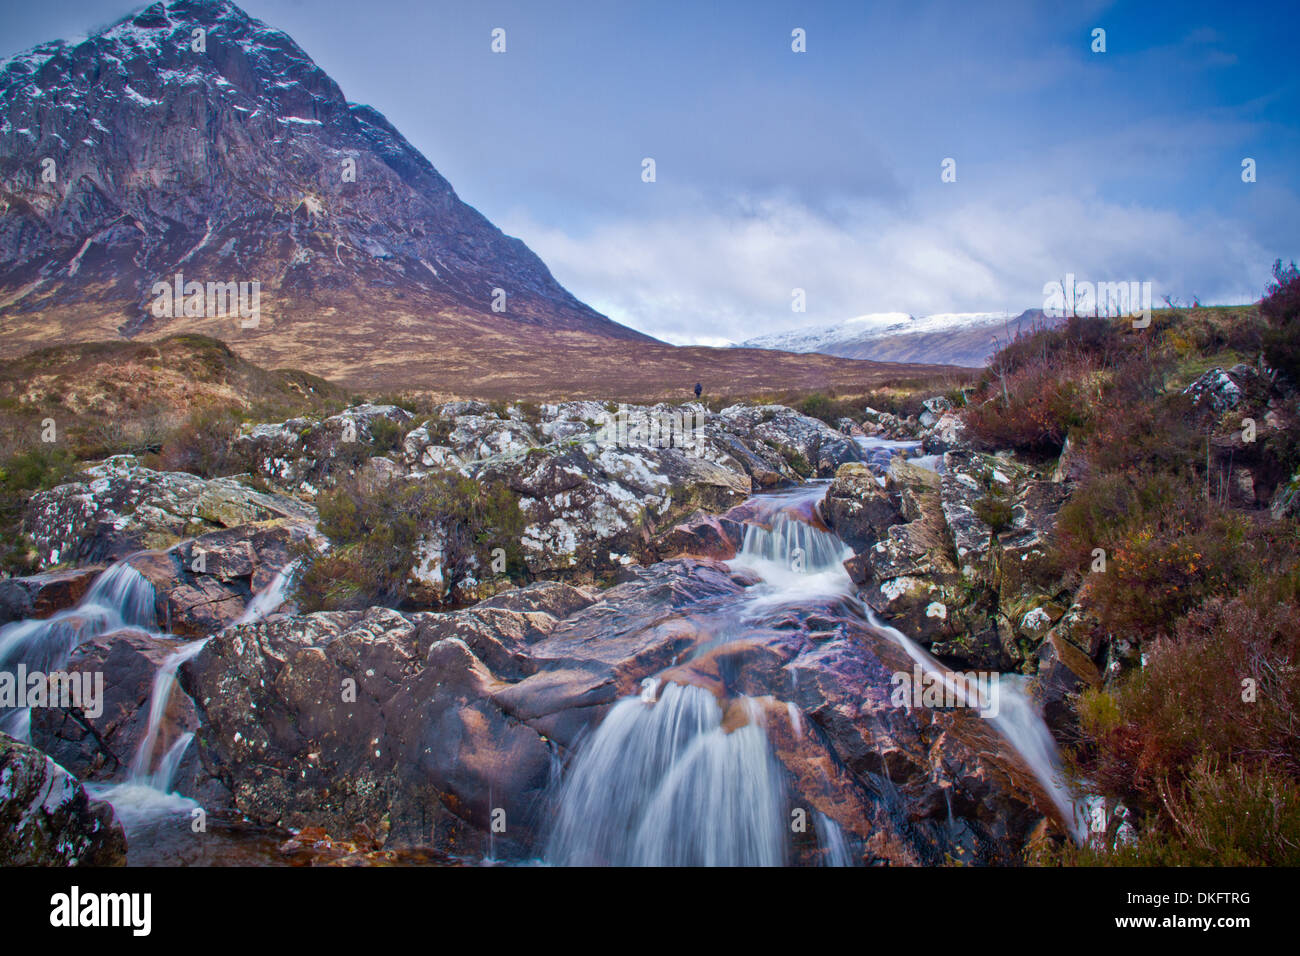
[{"x": 874, "y": 325}]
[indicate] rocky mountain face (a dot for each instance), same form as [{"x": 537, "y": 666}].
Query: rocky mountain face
[{"x": 191, "y": 139}]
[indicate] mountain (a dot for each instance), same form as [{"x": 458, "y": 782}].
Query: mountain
[
  {"x": 130, "y": 157},
  {"x": 951, "y": 338}
]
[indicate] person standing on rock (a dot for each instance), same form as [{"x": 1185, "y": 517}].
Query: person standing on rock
[{"x": 698, "y": 389}]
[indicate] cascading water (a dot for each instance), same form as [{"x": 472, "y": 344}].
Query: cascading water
[
  {"x": 144, "y": 802},
  {"x": 119, "y": 597},
  {"x": 160, "y": 777},
  {"x": 664, "y": 784},
  {"x": 1016, "y": 720}
]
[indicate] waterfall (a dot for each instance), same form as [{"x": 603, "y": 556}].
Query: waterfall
[
  {"x": 119, "y": 597},
  {"x": 164, "y": 685},
  {"x": 660, "y": 782},
  {"x": 1016, "y": 720},
  {"x": 270, "y": 597},
  {"x": 795, "y": 560},
  {"x": 664, "y": 784}
]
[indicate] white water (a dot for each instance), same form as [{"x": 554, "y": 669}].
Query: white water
[
  {"x": 145, "y": 798},
  {"x": 119, "y": 597},
  {"x": 1016, "y": 720},
  {"x": 161, "y": 777},
  {"x": 661, "y": 783}
]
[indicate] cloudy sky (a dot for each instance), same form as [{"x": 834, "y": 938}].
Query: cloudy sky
[{"x": 820, "y": 170}]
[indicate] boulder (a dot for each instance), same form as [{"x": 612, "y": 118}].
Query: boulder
[
  {"x": 40, "y": 595},
  {"x": 701, "y": 535},
  {"x": 119, "y": 507},
  {"x": 857, "y": 508},
  {"x": 46, "y": 818}
]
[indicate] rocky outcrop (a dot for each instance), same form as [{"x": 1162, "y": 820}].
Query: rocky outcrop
[
  {"x": 950, "y": 579},
  {"x": 857, "y": 507},
  {"x": 119, "y": 507},
  {"x": 431, "y": 727},
  {"x": 597, "y": 484},
  {"x": 40, "y": 595},
  {"x": 302, "y": 456},
  {"x": 46, "y": 818}
]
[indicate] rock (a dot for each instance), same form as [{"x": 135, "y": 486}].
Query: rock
[
  {"x": 1063, "y": 670},
  {"x": 963, "y": 487},
  {"x": 301, "y": 456},
  {"x": 701, "y": 535},
  {"x": 102, "y": 747},
  {"x": 857, "y": 508},
  {"x": 459, "y": 717},
  {"x": 948, "y": 434},
  {"x": 120, "y": 507},
  {"x": 205, "y": 583},
  {"x": 1286, "y": 499},
  {"x": 934, "y": 409},
  {"x": 46, "y": 818},
  {"x": 1216, "y": 390},
  {"x": 40, "y": 595},
  {"x": 805, "y": 442},
  {"x": 1071, "y": 466}
]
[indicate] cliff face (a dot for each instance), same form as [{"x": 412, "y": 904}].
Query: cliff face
[{"x": 151, "y": 149}]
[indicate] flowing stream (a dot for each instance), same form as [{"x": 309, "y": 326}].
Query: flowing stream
[
  {"x": 671, "y": 776},
  {"x": 660, "y": 781}
]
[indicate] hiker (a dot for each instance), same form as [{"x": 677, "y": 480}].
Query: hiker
[{"x": 698, "y": 389}]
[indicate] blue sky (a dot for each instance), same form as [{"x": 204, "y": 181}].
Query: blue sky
[{"x": 821, "y": 170}]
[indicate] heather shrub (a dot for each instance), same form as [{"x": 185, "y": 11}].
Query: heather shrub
[
  {"x": 203, "y": 445},
  {"x": 1223, "y": 815},
  {"x": 1281, "y": 308},
  {"x": 375, "y": 530},
  {"x": 1224, "y": 685},
  {"x": 1032, "y": 408}
]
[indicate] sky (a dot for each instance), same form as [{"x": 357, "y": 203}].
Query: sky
[{"x": 820, "y": 171}]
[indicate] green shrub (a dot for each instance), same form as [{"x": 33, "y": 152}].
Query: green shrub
[
  {"x": 375, "y": 530},
  {"x": 1222, "y": 816},
  {"x": 21, "y": 475}
]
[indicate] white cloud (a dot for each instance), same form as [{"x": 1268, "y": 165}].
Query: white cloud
[{"x": 708, "y": 274}]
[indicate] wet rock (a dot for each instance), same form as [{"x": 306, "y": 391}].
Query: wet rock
[
  {"x": 40, "y": 595},
  {"x": 102, "y": 746},
  {"x": 205, "y": 583},
  {"x": 857, "y": 508},
  {"x": 46, "y": 818},
  {"x": 701, "y": 535}
]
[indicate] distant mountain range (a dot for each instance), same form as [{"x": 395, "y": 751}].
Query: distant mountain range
[
  {"x": 191, "y": 147},
  {"x": 950, "y": 338}
]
